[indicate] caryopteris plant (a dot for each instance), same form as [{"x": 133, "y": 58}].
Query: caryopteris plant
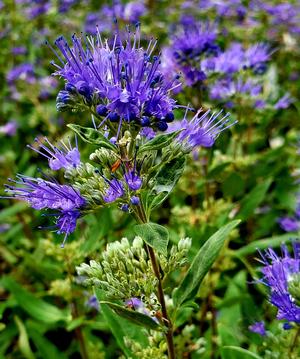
[{"x": 139, "y": 154}]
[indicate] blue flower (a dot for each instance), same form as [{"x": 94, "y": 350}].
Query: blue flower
[
  {"x": 41, "y": 194},
  {"x": 114, "y": 191},
  {"x": 133, "y": 180},
  {"x": 277, "y": 272},
  {"x": 201, "y": 130},
  {"x": 123, "y": 77},
  {"x": 59, "y": 157}
]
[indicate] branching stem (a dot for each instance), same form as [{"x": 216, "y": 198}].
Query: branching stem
[{"x": 169, "y": 333}]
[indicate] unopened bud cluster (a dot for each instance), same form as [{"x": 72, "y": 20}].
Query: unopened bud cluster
[
  {"x": 124, "y": 272},
  {"x": 156, "y": 349},
  {"x": 178, "y": 256}
]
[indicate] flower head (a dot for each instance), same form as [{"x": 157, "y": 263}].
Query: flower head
[
  {"x": 193, "y": 40},
  {"x": 201, "y": 130},
  {"x": 59, "y": 157},
  {"x": 122, "y": 76},
  {"x": 277, "y": 273},
  {"x": 42, "y": 194}
]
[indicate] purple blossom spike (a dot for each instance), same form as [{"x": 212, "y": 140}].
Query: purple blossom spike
[
  {"x": 114, "y": 191},
  {"x": 259, "y": 328},
  {"x": 277, "y": 272},
  {"x": 42, "y": 194},
  {"x": 59, "y": 157},
  {"x": 201, "y": 130},
  {"x": 120, "y": 75}
]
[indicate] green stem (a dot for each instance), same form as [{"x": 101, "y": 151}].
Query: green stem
[
  {"x": 294, "y": 344},
  {"x": 161, "y": 297}
]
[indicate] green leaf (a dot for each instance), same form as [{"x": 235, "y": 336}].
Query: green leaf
[
  {"x": 93, "y": 136},
  {"x": 159, "y": 142},
  {"x": 253, "y": 199},
  {"x": 133, "y": 316},
  {"x": 232, "y": 352},
  {"x": 201, "y": 264},
  {"x": 252, "y": 247},
  {"x": 35, "y": 307},
  {"x": 121, "y": 327},
  {"x": 165, "y": 181},
  {"x": 23, "y": 339},
  {"x": 154, "y": 235}
]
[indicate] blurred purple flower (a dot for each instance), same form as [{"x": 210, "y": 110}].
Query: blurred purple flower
[
  {"x": 19, "y": 50},
  {"x": 228, "y": 88},
  {"x": 259, "y": 328},
  {"x": 289, "y": 224},
  {"x": 92, "y": 303},
  {"x": 23, "y": 72},
  {"x": 9, "y": 129},
  {"x": 283, "y": 102}
]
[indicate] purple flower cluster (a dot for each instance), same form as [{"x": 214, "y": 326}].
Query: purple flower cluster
[
  {"x": 117, "y": 188},
  {"x": 277, "y": 273},
  {"x": 226, "y": 74},
  {"x": 59, "y": 157},
  {"x": 191, "y": 42},
  {"x": 43, "y": 194},
  {"x": 236, "y": 59},
  {"x": 201, "y": 130},
  {"x": 121, "y": 80}
]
